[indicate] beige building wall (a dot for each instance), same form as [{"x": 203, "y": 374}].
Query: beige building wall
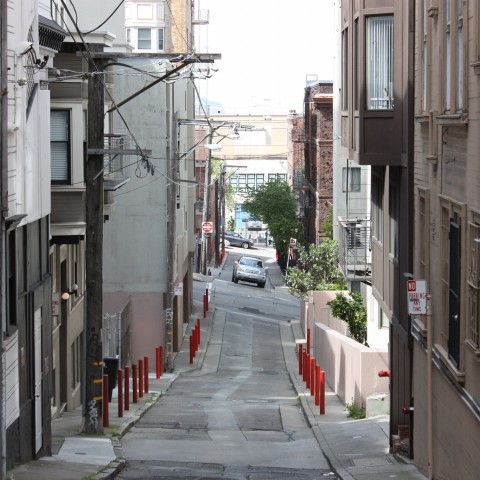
[{"x": 447, "y": 236}]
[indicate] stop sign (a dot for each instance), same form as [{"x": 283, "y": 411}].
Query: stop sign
[{"x": 207, "y": 227}]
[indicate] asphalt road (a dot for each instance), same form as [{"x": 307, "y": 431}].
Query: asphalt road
[{"x": 238, "y": 417}]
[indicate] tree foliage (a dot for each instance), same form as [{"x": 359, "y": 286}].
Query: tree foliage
[
  {"x": 274, "y": 204},
  {"x": 350, "y": 308},
  {"x": 317, "y": 269}
]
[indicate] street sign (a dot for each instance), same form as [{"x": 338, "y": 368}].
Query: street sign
[
  {"x": 207, "y": 227},
  {"x": 417, "y": 297},
  {"x": 293, "y": 242},
  {"x": 178, "y": 288}
]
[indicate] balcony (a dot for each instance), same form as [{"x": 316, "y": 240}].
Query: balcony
[{"x": 355, "y": 249}]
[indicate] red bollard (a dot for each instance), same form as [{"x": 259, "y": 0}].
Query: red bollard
[
  {"x": 197, "y": 333},
  {"x": 322, "y": 393},
  {"x": 126, "y": 392},
  {"x": 312, "y": 376},
  {"x": 206, "y": 298},
  {"x": 191, "y": 349},
  {"x": 198, "y": 326},
  {"x": 140, "y": 379},
  {"x": 105, "y": 413},
  {"x": 317, "y": 384},
  {"x": 134, "y": 386},
  {"x": 120, "y": 393},
  {"x": 304, "y": 361},
  {"x": 308, "y": 340},
  {"x": 157, "y": 361},
  {"x": 145, "y": 365},
  {"x": 307, "y": 368},
  {"x": 300, "y": 359},
  {"x": 161, "y": 360}
]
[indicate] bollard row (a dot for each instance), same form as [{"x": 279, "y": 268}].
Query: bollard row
[
  {"x": 194, "y": 340},
  {"x": 312, "y": 374},
  {"x": 140, "y": 384}
]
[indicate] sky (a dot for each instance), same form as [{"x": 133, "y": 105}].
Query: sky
[{"x": 268, "y": 48}]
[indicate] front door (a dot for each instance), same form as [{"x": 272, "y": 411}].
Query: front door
[{"x": 38, "y": 379}]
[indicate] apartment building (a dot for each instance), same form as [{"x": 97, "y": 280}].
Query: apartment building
[
  {"x": 32, "y": 41},
  {"x": 446, "y": 344},
  {"x": 375, "y": 130}
]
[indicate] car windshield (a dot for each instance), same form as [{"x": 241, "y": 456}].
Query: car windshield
[{"x": 251, "y": 262}]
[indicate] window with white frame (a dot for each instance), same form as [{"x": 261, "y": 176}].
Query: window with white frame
[
  {"x": 60, "y": 146},
  {"x": 379, "y": 62},
  {"x": 424, "y": 59},
  {"x": 128, "y": 32},
  {"x": 243, "y": 181},
  {"x": 277, "y": 177},
  {"x": 460, "y": 55},
  {"x": 144, "y": 40}
]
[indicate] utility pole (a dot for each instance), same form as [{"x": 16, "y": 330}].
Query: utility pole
[
  {"x": 92, "y": 402},
  {"x": 171, "y": 240},
  {"x": 4, "y": 210}
]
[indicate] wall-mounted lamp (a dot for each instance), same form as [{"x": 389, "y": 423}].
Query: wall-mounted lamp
[
  {"x": 25, "y": 47},
  {"x": 408, "y": 275},
  {"x": 74, "y": 290},
  {"x": 212, "y": 146}
]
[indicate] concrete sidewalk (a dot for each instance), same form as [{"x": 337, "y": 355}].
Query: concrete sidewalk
[{"x": 356, "y": 449}]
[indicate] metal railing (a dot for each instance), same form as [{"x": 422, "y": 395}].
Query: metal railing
[
  {"x": 114, "y": 163},
  {"x": 355, "y": 250}
]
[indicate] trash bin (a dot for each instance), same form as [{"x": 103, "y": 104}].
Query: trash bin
[{"x": 110, "y": 368}]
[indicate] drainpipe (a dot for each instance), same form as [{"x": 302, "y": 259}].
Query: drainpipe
[
  {"x": 429, "y": 388},
  {"x": 3, "y": 214}
]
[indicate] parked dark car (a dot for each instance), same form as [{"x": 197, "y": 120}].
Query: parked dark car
[
  {"x": 236, "y": 240},
  {"x": 250, "y": 269}
]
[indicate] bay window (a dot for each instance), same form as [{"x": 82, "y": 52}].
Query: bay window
[{"x": 379, "y": 62}]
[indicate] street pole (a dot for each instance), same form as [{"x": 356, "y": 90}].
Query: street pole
[
  {"x": 4, "y": 206},
  {"x": 92, "y": 402},
  {"x": 206, "y": 203},
  {"x": 217, "y": 226}
]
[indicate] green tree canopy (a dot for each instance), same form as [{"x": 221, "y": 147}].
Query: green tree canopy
[
  {"x": 317, "y": 269},
  {"x": 274, "y": 204}
]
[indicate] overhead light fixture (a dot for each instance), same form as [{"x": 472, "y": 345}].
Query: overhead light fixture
[{"x": 74, "y": 290}]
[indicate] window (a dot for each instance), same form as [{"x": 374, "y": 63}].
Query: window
[
  {"x": 473, "y": 284},
  {"x": 448, "y": 54},
  {"x": 460, "y": 55},
  {"x": 277, "y": 177},
  {"x": 160, "y": 43},
  {"x": 345, "y": 69},
  {"x": 351, "y": 179},
  {"x": 60, "y": 146},
  {"x": 423, "y": 233},
  {"x": 144, "y": 39},
  {"x": 379, "y": 62},
  {"x": 128, "y": 32},
  {"x": 243, "y": 181},
  {"x": 424, "y": 59}
]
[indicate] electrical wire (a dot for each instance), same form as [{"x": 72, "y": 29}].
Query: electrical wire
[{"x": 88, "y": 56}]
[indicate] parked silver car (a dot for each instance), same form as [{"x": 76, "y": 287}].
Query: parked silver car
[
  {"x": 236, "y": 240},
  {"x": 250, "y": 269}
]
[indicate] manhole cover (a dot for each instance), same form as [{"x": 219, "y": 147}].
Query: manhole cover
[{"x": 371, "y": 461}]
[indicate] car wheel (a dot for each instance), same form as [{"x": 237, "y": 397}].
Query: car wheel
[
  {"x": 261, "y": 285},
  {"x": 234, "y": 279},
  {"x": 245, "y": 245}
]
